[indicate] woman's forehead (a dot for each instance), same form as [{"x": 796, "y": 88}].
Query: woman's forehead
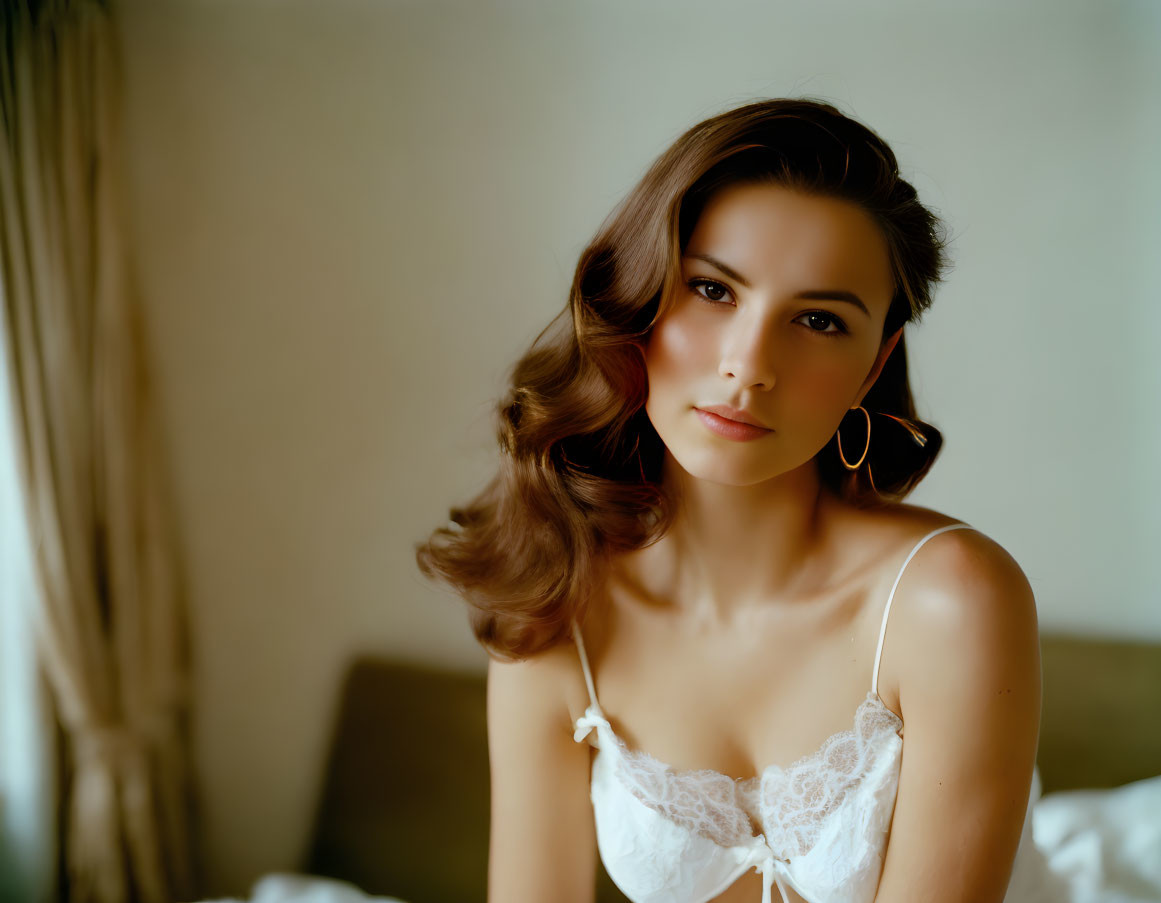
[{"x": 770, "y": 233}]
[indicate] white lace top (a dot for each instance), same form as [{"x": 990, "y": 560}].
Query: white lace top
[{"x": 668, "y": 836}]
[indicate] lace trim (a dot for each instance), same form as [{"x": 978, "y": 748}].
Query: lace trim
[{"x": 794, "y": 802}]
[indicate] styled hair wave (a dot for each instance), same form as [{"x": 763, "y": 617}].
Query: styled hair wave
[{"x": 579, "y": 477}]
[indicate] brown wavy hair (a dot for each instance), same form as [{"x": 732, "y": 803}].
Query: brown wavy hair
[{"x": 579, "y": 477}]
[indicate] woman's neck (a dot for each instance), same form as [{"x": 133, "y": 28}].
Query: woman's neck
[{"x": 732, "y": 548}]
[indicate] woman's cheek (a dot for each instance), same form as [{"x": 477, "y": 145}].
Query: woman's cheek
[
  {"x": 676, "y": 344},
  {"x": 825, "y": 388}
]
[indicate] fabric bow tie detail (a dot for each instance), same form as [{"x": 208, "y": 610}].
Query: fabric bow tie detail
[
  {"x": 586, "y": 722},
  {"x": 768, "y": 866}
]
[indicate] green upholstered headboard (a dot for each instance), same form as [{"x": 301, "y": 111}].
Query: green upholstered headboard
[
  {"x": 404, "y": 805},
  {"x": 1101, "y": 720}
]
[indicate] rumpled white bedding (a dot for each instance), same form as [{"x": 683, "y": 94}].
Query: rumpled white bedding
[
  {"x": 287, "y": 887},
  {"x": 1104, "y": 844}
]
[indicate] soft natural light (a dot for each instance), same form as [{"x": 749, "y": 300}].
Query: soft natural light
[{"x": 26, "y": 795}]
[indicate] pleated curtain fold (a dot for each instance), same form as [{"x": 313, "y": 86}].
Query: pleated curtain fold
[{"x": 109, "y": 619}]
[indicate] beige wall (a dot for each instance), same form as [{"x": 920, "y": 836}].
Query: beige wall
[{"x": 351, "y": 216}]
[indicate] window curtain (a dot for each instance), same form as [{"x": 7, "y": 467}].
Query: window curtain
[{"x": 106, "y": 615}]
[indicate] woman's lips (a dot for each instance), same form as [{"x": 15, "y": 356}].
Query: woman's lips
[{"x": 731, "y": 429}]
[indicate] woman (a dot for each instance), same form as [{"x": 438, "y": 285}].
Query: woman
[{"x": 699, "y": 514}]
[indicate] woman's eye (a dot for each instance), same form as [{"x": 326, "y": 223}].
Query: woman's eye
[
  {"x": 827, "y": 318},
  {"x": 716, "y": 294},
  {"x": 712, "y": 287}
]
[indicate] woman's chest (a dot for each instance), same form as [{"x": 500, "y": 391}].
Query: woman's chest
[{"x": 735, "y": 701}]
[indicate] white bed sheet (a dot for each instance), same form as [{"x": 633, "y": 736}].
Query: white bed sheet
[{"x": 1105, "y": 844}]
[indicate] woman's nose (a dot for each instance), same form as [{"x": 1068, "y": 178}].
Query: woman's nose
[{"x": 748, "y": 356}]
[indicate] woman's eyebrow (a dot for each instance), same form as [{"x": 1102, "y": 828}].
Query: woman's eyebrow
[
  {"x": 816, "y": 294},
  {"x": 728, "y": 270}
]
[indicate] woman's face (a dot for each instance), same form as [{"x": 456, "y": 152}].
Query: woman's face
[{"x": 759, "y": 322}]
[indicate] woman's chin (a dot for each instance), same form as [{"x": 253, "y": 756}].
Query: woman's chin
[{"x": 713, "y": 468}]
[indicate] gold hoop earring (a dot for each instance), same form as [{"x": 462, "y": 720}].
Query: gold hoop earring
[
  {"x": 838, "y": 435},
  {"x": 916, "y": 434}
]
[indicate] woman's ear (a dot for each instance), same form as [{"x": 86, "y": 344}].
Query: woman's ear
[{"x": 884, "y": 352}]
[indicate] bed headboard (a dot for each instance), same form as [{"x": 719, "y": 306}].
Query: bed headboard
[
  {"x": 404, "y": 805},
  {"x": 1101, "y": 719}
]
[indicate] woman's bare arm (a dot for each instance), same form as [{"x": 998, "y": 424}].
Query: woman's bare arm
[
  {"x": 542, "y": 843},
  {"x": 967, "y": 646}
]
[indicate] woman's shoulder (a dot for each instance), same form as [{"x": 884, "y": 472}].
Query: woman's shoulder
[
  {"x": 959, "y": 582},
  {"x": 963, "y": 606},
  {"x": 949, "y": 556},
  {"x": 903, "y": 526},
  {"x": 555, "y": 672},
  {"x": 955, "y": 574}
]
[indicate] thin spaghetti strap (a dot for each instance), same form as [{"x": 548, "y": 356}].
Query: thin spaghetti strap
[
  {"x": 891, "y": 597},
  {"x": 580, "y": 647}
]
